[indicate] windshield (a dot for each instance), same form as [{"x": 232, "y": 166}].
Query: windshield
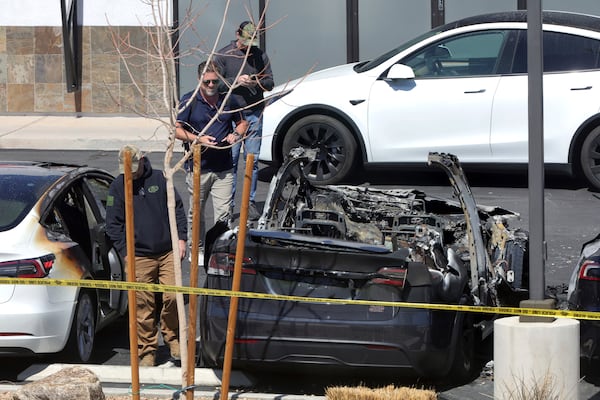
[
  {"x": 365, "y": 66},
  {"x": 19, "y": 194}
]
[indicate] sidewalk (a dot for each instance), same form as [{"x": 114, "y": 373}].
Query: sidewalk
[
  {"x": 82, "y": 133},
  {"x": 159, "y": 381}
]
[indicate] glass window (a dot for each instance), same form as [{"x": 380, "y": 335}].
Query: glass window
[
  {"x": 305, "y": 36},
  {"x": 562, "y": 52},
  {"x": 19, "y": 194},
  {"x": 385, "y": 24},
  {"x": 457, "y": 9},
  {"x": 72, "y": 208},
  {"x": 57, "y": 228},
  {"x": 99, "y": 189},
  {"x": 204, "y": 19},
  {"x": 465, "y": 55}
]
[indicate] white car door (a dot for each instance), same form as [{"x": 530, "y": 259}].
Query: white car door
[
  {"x": 407, "y": 120},
  {"x": 571, "y": 95},
  {"x": 446, "y": 108}
]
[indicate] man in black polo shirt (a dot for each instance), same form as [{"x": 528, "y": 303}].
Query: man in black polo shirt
[{"x": 216, "y": 166}]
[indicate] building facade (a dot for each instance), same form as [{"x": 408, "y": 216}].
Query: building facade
[{"x": 101, "y": 59}]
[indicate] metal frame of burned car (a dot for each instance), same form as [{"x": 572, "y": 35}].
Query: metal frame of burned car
[{"x": 363, "y": 243}]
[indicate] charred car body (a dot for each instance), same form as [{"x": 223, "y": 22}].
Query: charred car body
[
  {"x": 584, "y": 295},
  {"x": 52, "y": 226},
  {"x": 361, "y": 243}
]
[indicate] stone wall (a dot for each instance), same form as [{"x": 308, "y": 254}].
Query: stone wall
[{"x": 32, "y": 72}]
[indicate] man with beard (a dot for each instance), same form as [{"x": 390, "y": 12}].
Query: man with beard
[{"x": 205, "y": 118}]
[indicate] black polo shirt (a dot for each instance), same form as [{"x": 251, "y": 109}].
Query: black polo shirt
[{"x": 197, "y": 115}]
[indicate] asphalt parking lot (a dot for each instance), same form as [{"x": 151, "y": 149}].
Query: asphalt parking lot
[{"x": 480, "y": 388}]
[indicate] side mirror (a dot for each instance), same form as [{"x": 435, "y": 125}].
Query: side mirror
[{"x": 400, "y": 71}]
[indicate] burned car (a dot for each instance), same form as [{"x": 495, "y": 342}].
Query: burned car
[
  {"x": 52, "y": 226},
  {"x": 363, "y": 243},
  {"x": 584, "y": 295}
]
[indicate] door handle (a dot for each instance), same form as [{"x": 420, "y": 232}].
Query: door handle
[
  {"x": 355, "y": 102},
  {"x": 582, "y": 88},
  {"x": 474, "y": 91}
]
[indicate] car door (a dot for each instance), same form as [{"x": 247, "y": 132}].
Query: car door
[
  {"x": 446, "y": 108},
  {"x": 106, "y": 262},
  {"x": 571, "y": 90}
]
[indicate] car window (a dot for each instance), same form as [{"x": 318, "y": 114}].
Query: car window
[
  {"x": 99, "y": 188},
  {"x": 72, "y": 210},
  {"x": 367, "y": 65},
  {"x": 18, "y": 195},
  {"x": 466, "y": 55},
  {"x": 562, "y": 52},
  {"x": 56, "y": 226}
]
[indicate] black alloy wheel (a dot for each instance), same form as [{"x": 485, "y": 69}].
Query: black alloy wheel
[
  {"x": 590, "y": 158},
  {"x": 83, "y": 330},
  {"x": 335, "y": 145},
  {"x": 463, "y": 366}
]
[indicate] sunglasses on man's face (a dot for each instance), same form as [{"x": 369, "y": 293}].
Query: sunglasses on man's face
[{"x": 209, "y": 81}]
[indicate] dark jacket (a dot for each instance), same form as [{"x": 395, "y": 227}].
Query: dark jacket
[
  {"x": 231, "y": 59},
  {"x": 150, "y": 214}
]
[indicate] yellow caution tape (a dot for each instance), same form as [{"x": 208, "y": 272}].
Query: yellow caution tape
[{"x": 150, "y": 287}]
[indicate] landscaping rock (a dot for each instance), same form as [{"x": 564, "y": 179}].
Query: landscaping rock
[{"x": 72, "y": 383}]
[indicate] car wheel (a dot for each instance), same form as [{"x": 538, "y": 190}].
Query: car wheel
[
  {"x": 205, "y": 362},
  {"x": 335, "y": 145},
  {"x": 83, "y": 330},
  {"x": 590, "y": 158},
  {"x": 463, "y": 365}
]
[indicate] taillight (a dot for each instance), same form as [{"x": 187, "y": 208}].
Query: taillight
[
  {"x": 29, "y": 268},
  {"x": 392, "y": 276},
  {"x": 222, "y": 264},
  {"x": 590, "y": 271}
]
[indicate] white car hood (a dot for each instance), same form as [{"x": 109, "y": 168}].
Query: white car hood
[{"x": 333, "y": 73}]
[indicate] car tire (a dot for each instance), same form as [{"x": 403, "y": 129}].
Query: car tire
[
  {"x": 204, "y": 361},
  {"x": 335, "y": 145},
  {"x": 463, "y": 366},
  {"x": 83, "y": 329},
  {"x": 590, "y": 158}
]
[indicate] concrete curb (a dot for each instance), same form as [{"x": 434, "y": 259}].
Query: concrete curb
[
  {"x": 168, "y": 393},
  {"x": 157, "y": 382},
  {"x": 205, "y": 377}
]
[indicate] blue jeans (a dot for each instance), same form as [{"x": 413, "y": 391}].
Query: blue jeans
[{"x": 251, "y": 145}]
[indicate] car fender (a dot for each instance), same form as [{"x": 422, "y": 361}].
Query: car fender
[
  {"x": 580, "y": 134},
  {"x": 278, "y": 135},
  {"x": 339, "y": 92}
]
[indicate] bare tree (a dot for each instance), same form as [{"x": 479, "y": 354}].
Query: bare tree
[{"x": 161, "y": 58}]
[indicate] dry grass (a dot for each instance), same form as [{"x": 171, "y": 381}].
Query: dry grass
[
  {"x": 10, "y": 396},
  {"x": 544, "y": 389},
  {"x": 385, "y": 393}
]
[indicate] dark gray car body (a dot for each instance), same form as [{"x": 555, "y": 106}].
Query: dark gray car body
[
  {"x": 584, "y": 295},
  {"x": 360, "y": 243}
]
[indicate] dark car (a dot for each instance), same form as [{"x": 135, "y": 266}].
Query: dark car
[
  {"x": 584, "y": 295},
  {"x": 363, "y": 243},
  {"x": 52, "y": 226}
]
